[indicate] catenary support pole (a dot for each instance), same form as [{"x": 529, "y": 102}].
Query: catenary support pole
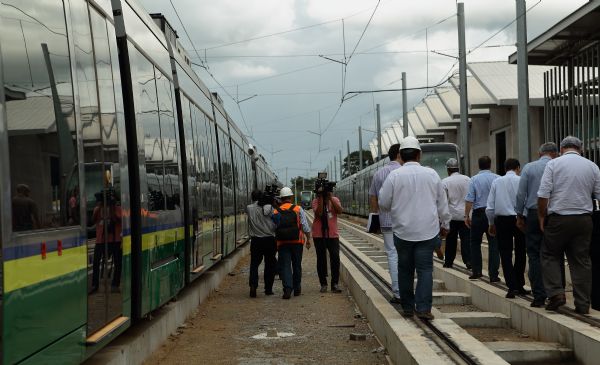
[
  {"x": 360, "y": 149},
  {"x": 464, "y": 105},
  {"x": 404, "y": 107},
  {"x": 335, "y": 168},
  {"x": 378, "y": 134},
  {"x": 341, "y": 164},
  {"x": 348, "y": 150},
  {"x": 523, "y": 82}
]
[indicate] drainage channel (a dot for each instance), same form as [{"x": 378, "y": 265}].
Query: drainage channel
[{"x": 492, "y": 329}]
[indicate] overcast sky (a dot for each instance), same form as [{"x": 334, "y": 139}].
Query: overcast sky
[{"x": 294, "y": 86}]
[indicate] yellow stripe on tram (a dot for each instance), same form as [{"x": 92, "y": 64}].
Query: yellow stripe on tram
[
  {"x": 32, "y": 270},
  {"x": 160, "y": 238}
]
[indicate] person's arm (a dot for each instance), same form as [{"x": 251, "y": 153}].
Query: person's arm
[
  {"x": 443, "y": 210},
  {"x": 469, "y": 199},
  {"x": 490, "y": 209},
  {"x": 373, "y": 191},
  {"x": 336, "y": 204},
  {"x": 386, "y": 195},
  {"x": 522, "y": 193},
  {"x": 305, "y": 228},
  {"x": 597, "y": 182},
  {"x": 544, "y": 192},
  {"x": 542, "y": 211}
]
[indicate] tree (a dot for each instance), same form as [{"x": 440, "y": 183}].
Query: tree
[
  {"x": 309, "y": 183},
  {"x": 354, "y": 165}
]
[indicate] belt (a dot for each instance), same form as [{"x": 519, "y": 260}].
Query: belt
[{"x": 479, "y": 210}]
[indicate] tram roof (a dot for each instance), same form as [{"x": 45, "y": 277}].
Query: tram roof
[{"x": 577, "y": 31}]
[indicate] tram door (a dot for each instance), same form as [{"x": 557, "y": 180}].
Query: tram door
[{"x": 102, "y": 170}]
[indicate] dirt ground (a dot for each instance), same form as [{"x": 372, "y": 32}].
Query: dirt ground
[{"x": 221, "y": 330}]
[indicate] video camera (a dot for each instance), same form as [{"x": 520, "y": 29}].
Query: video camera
[
  {"x": 268, "y": 195},
  {"x": 322, "y": 185}
]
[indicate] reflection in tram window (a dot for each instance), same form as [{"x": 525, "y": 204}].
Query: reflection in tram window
[{"x": 39, "y": 108}]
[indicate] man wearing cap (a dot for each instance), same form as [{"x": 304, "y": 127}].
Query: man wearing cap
[
  {"x": 565, "y": 214},
  {"x": 456, "y": 186},
  {"x": 527, "y": 217},
  {"x": 292, "y": 232},
  {"x": 415, "y": 197},
  {"x": 385, "y": 220},
  {"x": 476, "y": 199}
]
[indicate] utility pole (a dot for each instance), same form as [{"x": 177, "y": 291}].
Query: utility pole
[
  {"x": 464, "y": 105},
  {"x": 335, "y": 168},
  {"x": 360, "y": 148},
  {"x": 378, "y": 135},
  {"x": 286, "y": 177},
  {"x": 341, "y": 164},
  {"x": 404, "y": 108},
  {"x": 295, "y": 191},
  {"x": 348, "y": 149},
  {"x": 523, "y": 82}
]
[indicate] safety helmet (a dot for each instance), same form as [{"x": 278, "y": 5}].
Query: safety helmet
[
  {"x": 410, "y": 142},
  {"x": 452, "y": 163},
  {"x": 285, "y": 192}
]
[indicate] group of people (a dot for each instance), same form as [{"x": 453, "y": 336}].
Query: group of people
[
  {"x": 278, "y": 234},
  {"x": 539, "y": 213}
]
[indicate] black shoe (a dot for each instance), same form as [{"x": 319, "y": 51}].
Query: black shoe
[
  {"x": 335, "y": 289},
  {"x": 449, "y": 266},
  {"x": 408, "y": 313},
  {"x": 323, "y": 289},
  {"x": 538, "y": 303},
  {"x": 252, "y": 292},
  {"x": 287, "y": 294},
  {"x": 583, "y": 311},
  {"x": 523, "y": 291},
  {"x": 510, "y": 294},
  {"x": 425, "y": 315},
  {"x": 269, "y": 292},
  {"x": 468, "y": 266},
  {"x": 555, "y": 302},
  {"x": 495, "y": 280},
  {"x": 297, "y": 292},
  {"x": 395, "y": 300},
  {"x": 475, "y": 276}
]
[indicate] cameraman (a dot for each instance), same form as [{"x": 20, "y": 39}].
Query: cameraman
[
  {"x": 262, "y": 244},
  {"x": 325, "y": 233}
]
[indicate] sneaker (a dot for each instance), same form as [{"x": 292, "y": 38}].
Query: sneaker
[
  {"x": 287, "y": 293},
  {"x": 335, "y": 289},
  {"x": 555, "y": 302},
  {"x": 495, "y": 280},
  {"x": 395, "y": 300},
  {"x": 538, "y": 303},
  {"x": 253, "y": 292},
  {"x": 323, "y": 289},
  {"x": 297, "y": 292},
  {"x": 424, "y": 315},
  {"x": 475, "y": 276}
]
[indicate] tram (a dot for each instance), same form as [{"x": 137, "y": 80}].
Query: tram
[
  {"x": 354, "y": 190},
  {"x": 122, "y": 176},
  {"x": 306, "y": 198}
]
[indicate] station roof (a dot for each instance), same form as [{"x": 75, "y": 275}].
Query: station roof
[
  {"x": 575, "y": 32},
  {"x": 498, "y": 80},
  {"x": 451, "y": 101},
  {"x": 439, "y": 112},
  {"x": 429, "y": 121},
  {"x": 475, "y": 91},
  {"x": 419, "y": 129}
]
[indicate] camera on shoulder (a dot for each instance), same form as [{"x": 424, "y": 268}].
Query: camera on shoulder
[
  {"x": 322, "y": 185},
  {"x": 268, "y": 195}
]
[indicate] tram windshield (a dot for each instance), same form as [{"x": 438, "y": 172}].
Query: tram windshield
[{"x": 437, "y": 160}]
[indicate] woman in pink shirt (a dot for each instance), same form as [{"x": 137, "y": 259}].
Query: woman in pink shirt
[{"x": 326, "y": 238}]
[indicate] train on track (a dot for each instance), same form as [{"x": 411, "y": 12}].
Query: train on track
[
  {"x": 353, "y": 191},
  {"x": 122, "y": 176}
]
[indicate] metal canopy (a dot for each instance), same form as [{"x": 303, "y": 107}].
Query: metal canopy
[
  {"x": 429, "y": 121},
  {"x": 451, "y": 101},
  {"x": 439, "y": 112},
  {"x": 572, "y": 34}
]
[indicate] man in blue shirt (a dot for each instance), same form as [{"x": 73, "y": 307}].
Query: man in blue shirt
[
  {"x": 527, "y": 217},
  {"x": 476, "y": 200},
  {"x": 503, "y": 224}
]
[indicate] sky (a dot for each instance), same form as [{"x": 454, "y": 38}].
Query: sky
[{"x": 281, "y": 60}]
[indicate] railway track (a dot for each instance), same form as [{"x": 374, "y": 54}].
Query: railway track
[{"x": 495, "y": 330}]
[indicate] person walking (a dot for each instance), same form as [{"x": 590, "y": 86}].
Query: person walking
[
  {"x": 527, "y": 218},
  {"x": 415, "y": 197},
  {"x": 502, "y": 216},
  {"x": 326, "y": 237},
  {"x": 456, "y": 186},
  {"x": 385, "y": 220},
  {"x": 565, "y": 215},
  {"x": 262, "y": 243},
  {"x": 292, "y": 233},
  {"x": 476, "y": 200}
]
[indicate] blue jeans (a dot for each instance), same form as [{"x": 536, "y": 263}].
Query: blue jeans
[
  {"x": 534, "y": 239},
  {"x": 415, "y": 256},
  {"x": 479, "y": 226},
  {"x": 290, "y": 258}
]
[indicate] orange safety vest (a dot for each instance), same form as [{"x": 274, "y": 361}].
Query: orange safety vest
[{"x": 300, "y": 240}]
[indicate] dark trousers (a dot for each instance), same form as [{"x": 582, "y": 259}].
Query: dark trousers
[
  {"x": 290, "y": 257},
  {"x": 458, "y": 228},
  {"x": 534, "y": 239},
  {"x": 595, "y": 256},
  {"x": 322, "y": 246},
  {"x": 479, "y": 226},
  {"x": 509, "y": 238},
  {"x": 263, "y": 247},
  {"x": 570, "y": 234}
]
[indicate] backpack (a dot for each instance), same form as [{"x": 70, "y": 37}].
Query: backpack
[{"x": 287, "y": 229}]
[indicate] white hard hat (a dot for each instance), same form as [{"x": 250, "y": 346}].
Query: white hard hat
[
  {"x": 285, "y": 192},
  {"x": 410, "y": 142}
]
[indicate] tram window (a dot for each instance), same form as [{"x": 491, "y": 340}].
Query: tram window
[{"x": 39, "y": 107}]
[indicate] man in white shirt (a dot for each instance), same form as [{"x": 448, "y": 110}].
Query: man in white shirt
[
  {"x": 456, "y": 186},
  {"x": 502, "y": 216},
  {"x": 415, "y": 197},
  {"x": 565, "y": 213}
]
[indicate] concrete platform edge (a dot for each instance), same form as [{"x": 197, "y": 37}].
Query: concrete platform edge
[{"x": 139, "y": 342}]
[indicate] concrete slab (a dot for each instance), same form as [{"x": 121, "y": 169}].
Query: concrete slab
[
  {"x": 479, "y": 319},
  {"x": 536, "y": 352},
  {"x": 441, "y": 298}
]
